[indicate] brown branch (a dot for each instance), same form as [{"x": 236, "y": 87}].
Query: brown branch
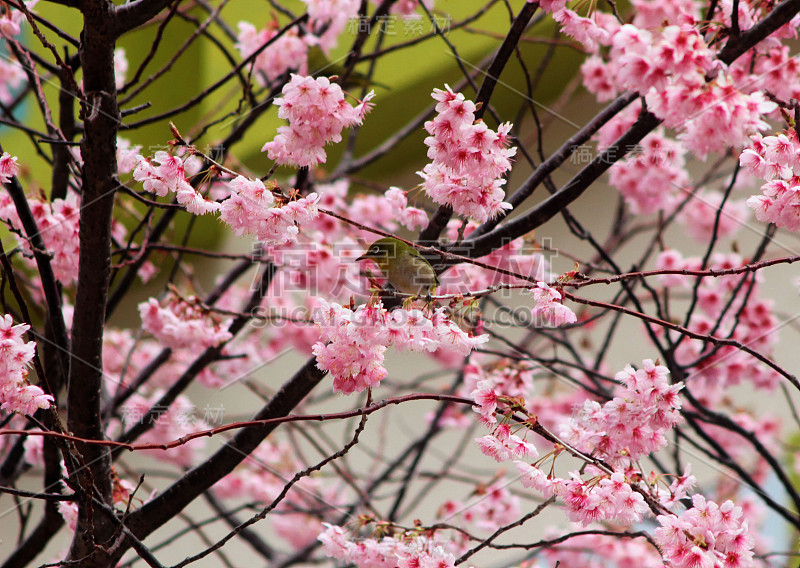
[
  {"x": 366, "y": 410},
  {"x": 134, "y": 14},
  {"x": 100, "y": 115},
  {"x": 33, "y": 495},
  {"x": 503, "y": 55}
]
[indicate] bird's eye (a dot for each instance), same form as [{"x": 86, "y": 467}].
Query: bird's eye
[{"x": 374, "y": 250}]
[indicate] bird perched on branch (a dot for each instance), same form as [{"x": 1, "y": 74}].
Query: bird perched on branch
[{"x": 403, "y": 266}]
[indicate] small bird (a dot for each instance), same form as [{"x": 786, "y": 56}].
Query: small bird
[{"x": 403, "y": 266}]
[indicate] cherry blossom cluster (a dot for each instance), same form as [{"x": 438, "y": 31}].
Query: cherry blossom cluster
[
  {"x": 388, "y": 552},
  {"x": 16, "y": 394},
  {"x": 501, "y": 445},
  {"x": 127, "y": 155},
  {"x": 707, "y": 534},
  {"x": 634, "y": 423},
  {"x": 709, "y": 214},
  {"x": 619, "y": 432},
  {"x": 353, "y": 342},
  {"x": 317, "y": 113},
  {"x": 548, "y": 309},
  {"x": 513, "y": 385},
  {"x": 676, "y": 72},
  {"x": 652, "y": 176},
  {"x": 327, "y": 19},
  {"x": 287, "y": 53},
  {"x": 775, "y": 159},
  {"x": 469, "y": 159},
  {"x": 249, "y": 206},
  {"x": 183, "y": 323},
  {"x": 585, "y": 549},
  {"x": 661, "y": 55},
  {"x": 164, "y": 173},
  {"x": 601, "y": 497},
  {"x": 58, "y": 227},
  {"x": 411, "y": 218},
  {"x": 125, "y": 355},
  {"x": 252, "y": 209},
  {"x": 500, "y": 391},
  {"x": 770, "y": 68}
]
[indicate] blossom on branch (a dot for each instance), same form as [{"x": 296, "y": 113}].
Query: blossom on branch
[
  {"x": 469, "y": 159},
  {"x": 317, "y": 113},
  {"x": 353, "y": 342},
  {"x": 287, "y": 53},
  {"x": 251, "y": 209},
  {"x": 634, "y": 423},
  {"x": 8, "y": 167},
  {"x": 166, "y": 173},
  {"x": 706, "y": 535},
  {"x": 548, "y": 309},
  {"x": 16, "y": 394},
  {"x": 775, "y": 159},
  {"x": 182, "y": 324}
]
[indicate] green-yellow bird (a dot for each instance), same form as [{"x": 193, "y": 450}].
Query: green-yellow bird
[{"x": 403, "y": 266}]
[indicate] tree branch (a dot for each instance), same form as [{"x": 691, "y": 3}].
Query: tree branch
[{"x": 134, "y": 14}]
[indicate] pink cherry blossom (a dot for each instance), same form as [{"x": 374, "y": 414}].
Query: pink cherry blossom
[
  {"x": 288, "y": 53},
  {"x": 410, "y": 217},
  {"x": 353, "y": 342},
  {"x": 469, "y": 160},
  {"x": 120, "y": 67},
  {"x": 8, "y": 167},
  {"x": 12, "y": 18},
  {"x": 775, "y": 159},
  {"x": 632, "y": 424},
  {"x": 16, "y": 394},
  {"x": 58, "y": 227},
  {"x": 164, "y": 173},
  {"x": 485, "y": 401},
  {"x": 707, "y": 534},
  {"x": 183, "y": 324},
  {"x": 652, "y": 176},
  {"x": 11, "y": 77},
  {"x": 585, "y": 30},
  {"x": 548, "y": 309},
  {"x": 317, "y": 113},
  {"x": 251, "y": 209},
  {"x": 127, "y": 155},
  {"x": 701, "y": 220}
]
